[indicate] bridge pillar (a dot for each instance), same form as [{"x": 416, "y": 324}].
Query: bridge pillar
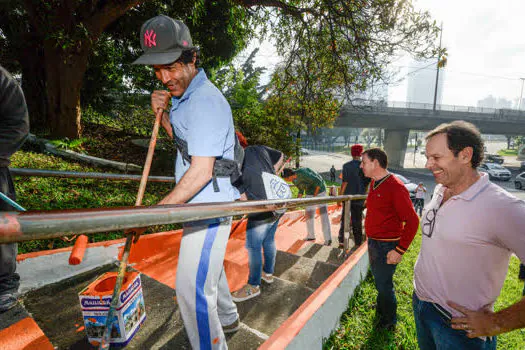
[{"x": 396, "y": 146}]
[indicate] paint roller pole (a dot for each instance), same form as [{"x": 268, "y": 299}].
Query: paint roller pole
[
  {"x": 282, "y": 167},
  {"x": 11, "y": 202},
  {"x": 104, "y": 343}
]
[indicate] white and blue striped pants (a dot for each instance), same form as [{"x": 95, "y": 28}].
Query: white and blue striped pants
[{"x": 202, "y": 289}]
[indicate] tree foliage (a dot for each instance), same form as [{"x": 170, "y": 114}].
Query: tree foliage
[
  {"x": 253, "y": 116},
  {"x": 56, "y": 44},
  {"x": 372, "y": 136},
  {"x": 63, "y": 47},
  {"x": 333, "y": 49},
  {"x": 358, "y": 38}
]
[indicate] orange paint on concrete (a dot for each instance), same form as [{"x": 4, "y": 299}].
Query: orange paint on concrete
[
  {"x": 297, "y": 245},
  {"x": 239, "y": 229},
  {"x": 295, "y": 220},
  {"x": 283, "y": 221},
  {"x": 156, "y": 255},
  {"x": 337, "y": 220},
  {"x": 24, "y": 335},
  {"x": 293, "y": 325},
  {"x": 165, "y": 243},
  {"x": 237, "y": 274}
]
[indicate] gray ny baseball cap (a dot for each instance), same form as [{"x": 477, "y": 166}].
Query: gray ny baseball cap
[{"x": 163, "y": 39}]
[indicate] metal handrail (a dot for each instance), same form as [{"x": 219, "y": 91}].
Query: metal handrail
[
  {"x": 90, "y": 175},
  {"x": 34, "y": 225},
  {"x": 86, "y": 175}
]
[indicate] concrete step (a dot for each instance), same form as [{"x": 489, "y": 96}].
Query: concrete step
[
  {"x": 244, "y": 338},
  {"x": 319, "y": 252},
  {"x": 273, "y": 306},
  {"x": 301, "y": 270},
  {"x": 56, "y": 310}
]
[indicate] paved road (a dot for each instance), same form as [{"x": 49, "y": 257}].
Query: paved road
[
  {"x": 322, "y": 162},
  {"x": 428, "y": 181}
]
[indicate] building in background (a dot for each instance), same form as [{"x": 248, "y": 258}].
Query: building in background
[
  {"x": 493, "y": 102},
  {"x": 421, "y": 82}
]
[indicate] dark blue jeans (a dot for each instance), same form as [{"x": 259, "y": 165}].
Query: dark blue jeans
[
  {"x": 383, "y": 278},
  {"x": 356, "y": 217},
  {"x": 435, "y": 333},
  {"x": 9, "y": 279},
  {"x": 260, "y": 236}
]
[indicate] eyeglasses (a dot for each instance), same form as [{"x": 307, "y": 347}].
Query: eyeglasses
[{"x": 429, "y": 222}]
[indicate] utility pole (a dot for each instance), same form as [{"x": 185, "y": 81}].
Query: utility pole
[
  {"x": 521, "y": 93},
  {"x": 437, "y": 67}
]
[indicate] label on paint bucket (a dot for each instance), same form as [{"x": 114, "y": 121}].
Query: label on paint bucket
[{"x": 129, "y": 314}]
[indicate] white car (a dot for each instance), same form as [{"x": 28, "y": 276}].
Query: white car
[
  {"x": 495, "y": 171},
  {"x": 519, "y": 182}
]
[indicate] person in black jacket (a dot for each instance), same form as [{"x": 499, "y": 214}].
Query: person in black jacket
[
  {"x": 259, "y": 168},
  {"x": 14, "y": 128},
  {"x": 332, "y": 173},
  {"x": 354, "y": 182}
]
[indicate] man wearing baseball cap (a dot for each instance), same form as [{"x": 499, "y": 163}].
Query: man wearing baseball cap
[
  {"x": 354, "y": 182},
  {"x": 201, "y": 123}
]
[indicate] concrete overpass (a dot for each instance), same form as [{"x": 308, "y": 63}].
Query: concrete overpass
[{"x": 398, "y": 118}]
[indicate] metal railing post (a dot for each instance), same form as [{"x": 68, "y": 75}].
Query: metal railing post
[{"x": 346, "y": 227}]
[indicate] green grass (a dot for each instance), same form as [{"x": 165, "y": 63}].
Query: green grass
[
  {"x": 508, "y": 152},
  {"x": 46, "y": 193},
  {"x": 356, "y": 330}
]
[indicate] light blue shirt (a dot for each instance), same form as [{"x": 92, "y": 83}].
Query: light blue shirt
[{"x": 203, "y": 118}]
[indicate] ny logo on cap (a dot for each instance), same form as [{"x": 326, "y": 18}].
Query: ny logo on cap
[{"x": 150, "y": 38}]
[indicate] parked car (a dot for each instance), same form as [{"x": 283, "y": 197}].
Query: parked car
[
  {"x": 519, "y": 181},
  {"x": 495, "y": 171},
  {"x": 494, "y": 158},
  {"x": 522, "y": 167},
  {"x": 410, "y": 186}
]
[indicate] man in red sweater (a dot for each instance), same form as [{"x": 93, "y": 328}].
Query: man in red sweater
[{"x": 390, "y": 224}]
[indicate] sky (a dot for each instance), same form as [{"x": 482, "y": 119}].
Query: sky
[{"x": 486, "y": 50}]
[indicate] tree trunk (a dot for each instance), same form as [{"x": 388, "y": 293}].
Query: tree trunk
[
  {"x": 33, "y": 84},
  {"x": 65, "y": 72},
  {"x": 509, "y": 138}
]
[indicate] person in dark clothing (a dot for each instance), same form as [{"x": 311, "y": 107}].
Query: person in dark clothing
[
  {"x": 14, "y": 128},
  {"x": 332, "y": 173},
  {"x": 259, "y": 182},
  {"x": 354, "y": 182}
]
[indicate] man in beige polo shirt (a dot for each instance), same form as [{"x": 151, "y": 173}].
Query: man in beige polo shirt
[{"x": 470, "y": 229}]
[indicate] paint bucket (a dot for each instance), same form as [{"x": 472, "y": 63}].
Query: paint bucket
[{"x": 129, "y": 314}]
